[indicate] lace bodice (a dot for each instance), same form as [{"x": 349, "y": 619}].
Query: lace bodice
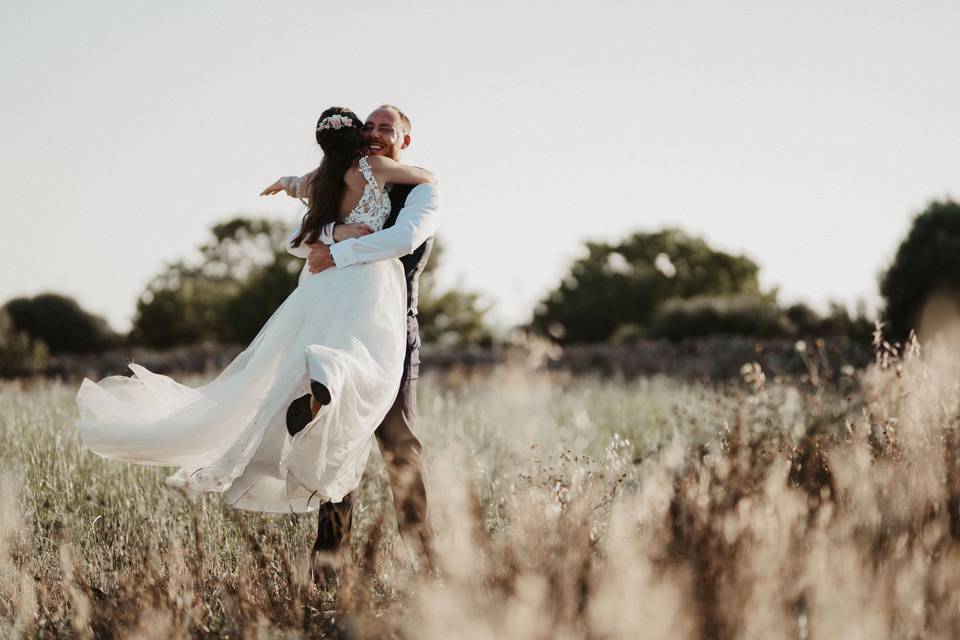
[{"x": 374, "y": 205}]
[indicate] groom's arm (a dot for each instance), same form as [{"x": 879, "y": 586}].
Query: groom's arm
[{"x": 417, "y": 221}]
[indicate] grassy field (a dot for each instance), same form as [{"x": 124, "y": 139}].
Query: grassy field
[{"x": 564, "y": 507}]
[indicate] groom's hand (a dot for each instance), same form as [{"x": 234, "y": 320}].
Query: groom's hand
[{"x": 319, "y": 258}]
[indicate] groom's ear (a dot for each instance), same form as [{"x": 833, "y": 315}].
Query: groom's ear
[{"x": 406, "y": 141}]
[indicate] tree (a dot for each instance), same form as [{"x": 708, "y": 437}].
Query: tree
[
  {"x": 926, "y": 264},
  {"x": 453, "y": 317},
  {"x": 60, "y": 323},
  {"x": 243, "y": 273},
  {"x": 254, "y": 254},
  {"x": 244, "y": 314},
  {"x": 240, "y": 276},
  {"x": 624, "y": 284}
]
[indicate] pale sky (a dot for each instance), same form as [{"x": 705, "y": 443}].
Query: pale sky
[{"x": 803, "y": 134}]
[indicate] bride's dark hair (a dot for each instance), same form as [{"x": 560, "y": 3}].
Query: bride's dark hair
[{"x": 340, "y": 148}]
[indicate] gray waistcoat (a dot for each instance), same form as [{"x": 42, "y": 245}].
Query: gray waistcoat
[{"x": 416, "y": 261}]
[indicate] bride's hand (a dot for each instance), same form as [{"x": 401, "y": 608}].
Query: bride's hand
[
  {"x": 276, "y": 187},
  {"x": 353, "y": 230}
]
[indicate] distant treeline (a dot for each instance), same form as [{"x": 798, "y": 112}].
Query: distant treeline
[
  {"x": 675, "y": 286},
  {"x": 665, "y": 285},
  {"x": 219, "y": 297}
]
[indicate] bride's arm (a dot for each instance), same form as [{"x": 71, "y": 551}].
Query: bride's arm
[
  {"x": 299, "y": 187},
  {"x": 387, "y": 170},
  {"x": 293, "y": 186}
]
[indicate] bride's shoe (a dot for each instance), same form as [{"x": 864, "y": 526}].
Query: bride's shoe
[
  {"x": 320, "y": 393},
  {"x": 299, "y": 414},
  {"x": 305, "y": 408}
]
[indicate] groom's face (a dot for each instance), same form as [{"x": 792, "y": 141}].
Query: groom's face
[{"x": 383, "y": 132}]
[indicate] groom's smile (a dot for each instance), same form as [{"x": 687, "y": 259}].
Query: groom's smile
[{"x": 386, "y": 133}]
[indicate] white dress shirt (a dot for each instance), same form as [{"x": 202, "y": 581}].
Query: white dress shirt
[{"x": 417, "y": 221}]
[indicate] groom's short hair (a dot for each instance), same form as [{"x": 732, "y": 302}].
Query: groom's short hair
[{"x": 404, "y": 120}]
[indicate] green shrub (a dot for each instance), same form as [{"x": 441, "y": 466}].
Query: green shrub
[
  {"x": 710, "y": 315},
  {"x": 838, "y": 322}
]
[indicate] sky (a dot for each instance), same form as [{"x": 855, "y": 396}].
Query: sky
[{"x": 805, "y": 135}]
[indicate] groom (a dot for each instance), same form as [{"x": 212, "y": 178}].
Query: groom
[{"x": 407, "y": 234}]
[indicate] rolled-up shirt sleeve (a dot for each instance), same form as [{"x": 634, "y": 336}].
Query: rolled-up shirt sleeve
[{"x": 417, "y": 221}]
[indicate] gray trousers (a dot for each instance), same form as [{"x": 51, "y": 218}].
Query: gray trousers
[{"x": 401, "y": 452}]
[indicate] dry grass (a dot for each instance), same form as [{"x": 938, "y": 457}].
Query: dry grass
[{"x": 564, "y": 508}]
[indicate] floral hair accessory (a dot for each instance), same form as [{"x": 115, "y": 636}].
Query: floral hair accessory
[{"x": 336, "y": 121}]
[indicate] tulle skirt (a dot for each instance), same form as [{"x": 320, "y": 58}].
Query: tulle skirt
[{"x": 345, "y": 328}]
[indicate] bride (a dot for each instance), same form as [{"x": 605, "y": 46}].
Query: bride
[{"x": 289, "y": 424}]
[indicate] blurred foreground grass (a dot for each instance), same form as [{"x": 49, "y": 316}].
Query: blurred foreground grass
[{"x": 564, "y": 507}]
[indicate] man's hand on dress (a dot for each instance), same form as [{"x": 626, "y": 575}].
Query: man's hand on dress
[
  {"x": 319, "y": 258},
  {"x": 353, "y": 230}
]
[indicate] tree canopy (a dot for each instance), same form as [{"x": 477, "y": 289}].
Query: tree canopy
[
  {"x": 618, "y": 285},
  {"x": 224, "y": 294},
  {"x": 451, "y": 317},
  {"x": 927, "y": 262},
  {"x": 242, "y": 274},
  {"x": 60, "y": 323}
]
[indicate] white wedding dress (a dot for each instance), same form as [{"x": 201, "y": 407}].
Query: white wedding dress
[{"x": 344, "y": 327}]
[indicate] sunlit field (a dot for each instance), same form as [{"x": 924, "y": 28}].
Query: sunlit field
[{"x": 563, "y": 507}]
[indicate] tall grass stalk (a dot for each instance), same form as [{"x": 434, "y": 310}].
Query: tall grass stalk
[{"x": 563, "y": 507}]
